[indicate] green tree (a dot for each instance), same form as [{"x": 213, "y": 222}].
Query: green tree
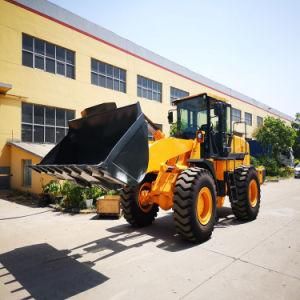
[
  {"x": 296, "y": 126},
  {"x": 276, "y": 133}
]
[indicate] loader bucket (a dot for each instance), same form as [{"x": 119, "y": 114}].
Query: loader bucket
[{"x": 108, "y": 146}]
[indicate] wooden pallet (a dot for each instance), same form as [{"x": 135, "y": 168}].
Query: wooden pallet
[{"x": 109, "y": 205}]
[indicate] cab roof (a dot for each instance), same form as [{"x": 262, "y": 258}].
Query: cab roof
[{"x": 201, "y": 95}]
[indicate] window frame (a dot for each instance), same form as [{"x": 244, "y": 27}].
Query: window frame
[
  {"x": 27, "y": 173},
  {"x": 178, "y": 91},
  {"x": 234, "y": 117},
  {"x": 45, "y": 57},
  {"x": 109, "y": 76},
  {"x": 147, "y": 89},
  {"x": 250, "y": 121},
  {"x": 45, "y": 124},
  {"x": 259, "y": 123}
]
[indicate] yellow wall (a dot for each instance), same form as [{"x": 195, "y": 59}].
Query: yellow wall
[
  {"x": 55, "y": 90},
  {"x": 10, "y": 125},
  {"x": 16, "y": 164},
  {"x": 37, "y": 86}
]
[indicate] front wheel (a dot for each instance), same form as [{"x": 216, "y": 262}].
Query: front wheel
[
  {"x": 134, "y": 211},
  {"x": 195, "y": 204}
]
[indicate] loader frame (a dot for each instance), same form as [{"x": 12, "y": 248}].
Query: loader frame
[
  {"x": 191, "y": 172},
  {"x": 182, "y": 152}
]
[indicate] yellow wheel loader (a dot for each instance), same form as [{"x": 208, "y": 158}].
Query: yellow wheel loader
[{"x": 191, "y": 172}]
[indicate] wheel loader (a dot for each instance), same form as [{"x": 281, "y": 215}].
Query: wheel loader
[{"x": 191, "y": 172}]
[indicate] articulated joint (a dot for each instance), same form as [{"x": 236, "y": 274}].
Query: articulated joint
[{"x": 162, "y": 188}]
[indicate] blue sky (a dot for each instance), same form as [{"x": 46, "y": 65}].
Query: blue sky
[{"x": 251, "y": 46}]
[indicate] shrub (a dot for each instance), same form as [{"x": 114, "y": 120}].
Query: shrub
[
  {"x": 51, "y": 193},
  {"x": 112, "y": 192},
  {"x": 66, "y": 187},
  {"x": 75, "y": 197},
  {"x": 285, "y": 172},
  {"x": 72, "y": 195},
  {"x": 53, "y": 188},
  {"x": 173, "y": 129},
  {"x": 254, "y": 161},
  {"x": 273, "y": 168},
  {"x": 94, "y": 192},
  {"x": 271, "y": 165},
  {"x": 277, "y": 134}
]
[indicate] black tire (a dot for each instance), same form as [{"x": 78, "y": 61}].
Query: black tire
[
  {"x": 132, "y": 211},
  {"x": 241, "y": 207},
  {"x": 187, "y": 188}
]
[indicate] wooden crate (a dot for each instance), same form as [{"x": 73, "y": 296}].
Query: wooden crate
[{"x": 109, "y": 205}]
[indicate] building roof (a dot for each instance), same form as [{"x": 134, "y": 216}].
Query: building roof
[
  {"x": 4, "y": 87},
  {"x": 36, "y": 149},
  {"x": 75, "y": 22}
]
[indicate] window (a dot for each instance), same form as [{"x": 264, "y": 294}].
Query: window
[
  {"x": 235, "y": 115},
  {"x": 44, "y": 124},
  {"x": 191, "y": 116},
  {"x": 248, "y": 118},
  {"x": 150, "y": 89},
  {"x": 26, "y": 172},
  {"x": 108, "y": 76},
  {"x": 48, "y": 57},
  {"x": 259, "y": 121},
  {"x": 177, "y": 94}
]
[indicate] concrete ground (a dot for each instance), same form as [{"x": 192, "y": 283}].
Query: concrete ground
[{"x": 49, "y": 255}]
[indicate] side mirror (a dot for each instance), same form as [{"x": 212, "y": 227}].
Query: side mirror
[{"x": 170, "y": 117}]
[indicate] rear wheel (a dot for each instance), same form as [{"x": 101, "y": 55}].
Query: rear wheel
[
  {"x": 195, "y": 204},
  {"x": 135, "y": 212},
  {"x": 246, "y": 207}
]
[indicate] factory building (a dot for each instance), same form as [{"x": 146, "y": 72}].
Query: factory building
[{"x": 53, "y": 64}]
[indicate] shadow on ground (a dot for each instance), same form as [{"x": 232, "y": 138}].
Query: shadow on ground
[
  {"x": 125, "y": 237},
  {"x": 47, "y": 273},
  {"x": 161, "y": 233},
  {"x": 226, "y": 218},
  {"x": 22, "y": 198}
]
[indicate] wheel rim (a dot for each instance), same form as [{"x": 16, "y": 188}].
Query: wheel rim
[
  {"x": 253, "y": 193},
  {"x": 204, "y": 205},
  {"x": 144, "y": 196}
]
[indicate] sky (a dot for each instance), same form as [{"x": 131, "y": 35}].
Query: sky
[{"x": 252, "y": 46}]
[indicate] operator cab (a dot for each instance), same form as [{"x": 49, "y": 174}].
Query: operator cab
[{"x": 204, "y": 113}]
